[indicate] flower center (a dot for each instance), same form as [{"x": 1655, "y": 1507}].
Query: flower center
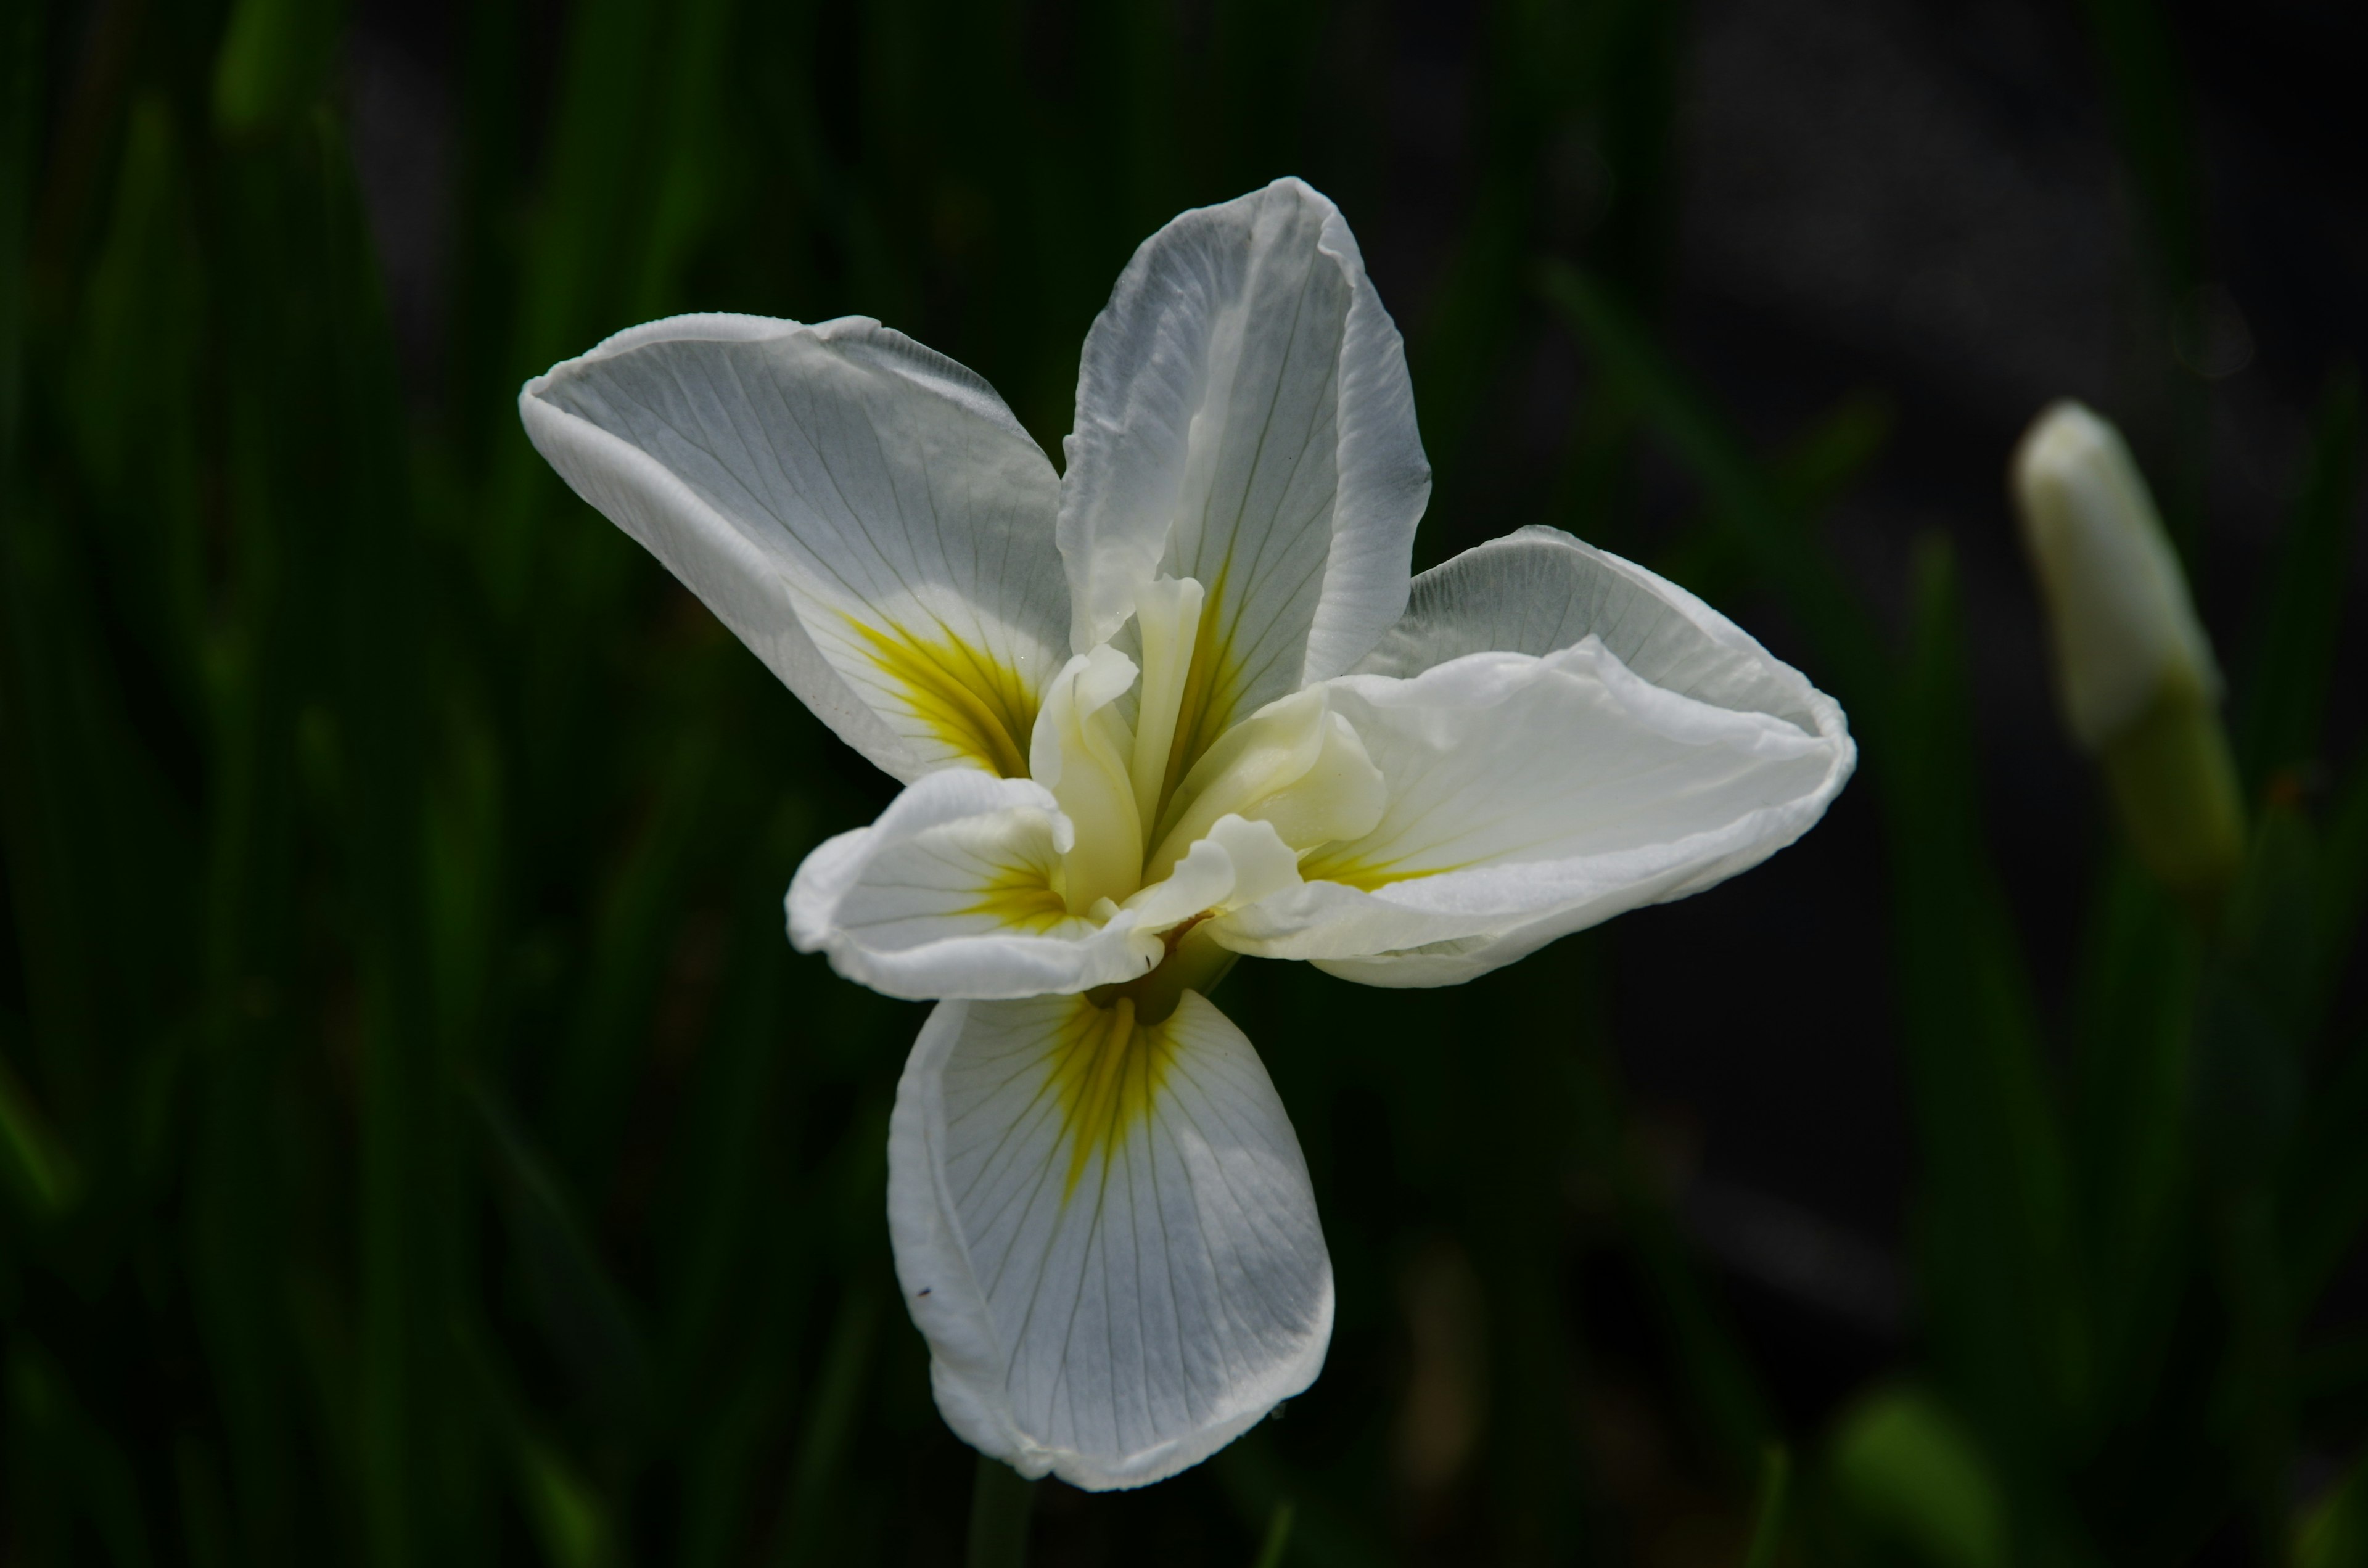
[{"x": 1137, "y": 806}]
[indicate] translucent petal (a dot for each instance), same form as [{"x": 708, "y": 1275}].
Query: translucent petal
[
  {"x": 1244, "y": 419},
  {"x": 1106, "y": 1232},
  {"x": 1538, "y": 590},
  {"x": 864, "y": 514}
]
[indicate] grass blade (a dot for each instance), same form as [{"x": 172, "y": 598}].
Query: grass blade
[
  {"x": 1768, "y": 1512},
  {"x": 1277, "y": 1538},
  {"x": 1995, "y": 1243},
  {"x": 2293, "y": 660}
]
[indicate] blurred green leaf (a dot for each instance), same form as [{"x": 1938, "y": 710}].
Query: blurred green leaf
[
  {"x": 1997, "y": 1257},
  {"x": 1769, "y": 1510},
  {"x": 2326, "y": 1178},
  {"x": 1804, "y": 479},
  {"x": 1848, "y": 648},
  {"x": 2292, "y": 660},
  {"x": 1277, "y": 1543},
  {"x": 275, "y": 59},
  {"x": 41, "y": 1176},
  {"x": 1257, "y": 1480},
  {"x": 2343, "y": 876},
  {"x": 2335, "y": 1532},
  {"x": 20, "y": 130},
  {"x": 67, "y": 1466},
  {"x": 2131, "y": 1080},
  {"x": 1909, "y": 1475},
  {"x": 568, "y": 1518},
  {"x": 1721, "y": 1381},
  {"x": 806, "y": 1529},
  {"x": 2146, "y": 89},
  {"x": 585, "y": 1315}
]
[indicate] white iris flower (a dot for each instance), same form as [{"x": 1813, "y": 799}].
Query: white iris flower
[{"x": 1178, "y": 703}]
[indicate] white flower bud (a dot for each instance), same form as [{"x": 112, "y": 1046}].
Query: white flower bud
[
  {"x": 2133, "y": 667},
  {"x": 2123, "y": 622}
]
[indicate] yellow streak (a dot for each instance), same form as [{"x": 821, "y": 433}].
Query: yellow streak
[
  {"x": 1365, "y": 875},
  {"x": 1108, "y": 1071},
  {"x": 1021, "y": 898},
  {"x": 1201, "y": 717},
  {"x": 975, "y": 702}
]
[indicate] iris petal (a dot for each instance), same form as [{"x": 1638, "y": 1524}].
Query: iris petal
[{"x": 1106, "y": 1231}]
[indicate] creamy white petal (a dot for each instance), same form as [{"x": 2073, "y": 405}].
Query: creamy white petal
[
  {"x": 1531, "y": 797},
  {"x": 952, "y": 894},
  {"x": 1295, "y": 764},
  {"x": 1106, "y": 1232},
  {"x": 1244, "y": 419},
  {"x": 1079, "y": 751},
  {"x": 1238, "y": 862},
  {"x": 1538, "y": 590},
  {"x": 864, "y": 514}
]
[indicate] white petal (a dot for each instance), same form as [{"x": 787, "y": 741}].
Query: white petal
[
  {"x": 1106, "y": 1232},
  {"x": 1244, "y": 419},
  {"x": 863, "y": 513},
  {"x": 1531, "y": 797},
  {"x": 1538, "y": 590},
  {"x": 1295, "y": 764},
  {"x": 1080, "y": 752},
  {"x": 1238, "y": 862},
  {"x": 951, "y": 894}
]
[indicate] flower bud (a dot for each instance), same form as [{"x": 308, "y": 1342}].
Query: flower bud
[{"x": 2133, "y": 669}]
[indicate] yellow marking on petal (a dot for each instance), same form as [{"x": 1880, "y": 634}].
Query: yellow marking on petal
[
  {"x": 1366, "y": 876},
  {"x": 975, "y": 702},
  {"x": 1022, "y": 898},
  {"x": 1212, "y": 686},
  {"x": 1108, "y": 1071}
]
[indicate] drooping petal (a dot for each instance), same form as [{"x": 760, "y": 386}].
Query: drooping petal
[
  {"x": 1106, "y": 1232},
  {"x": 1531, "y": 797},
  {"x": 954, "y": 892},
  {"x": 1244, "y": 419},
  {"x": 864, "y": 514}
]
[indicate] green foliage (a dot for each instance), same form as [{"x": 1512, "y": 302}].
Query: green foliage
[{"x": 417, "y": 1143}]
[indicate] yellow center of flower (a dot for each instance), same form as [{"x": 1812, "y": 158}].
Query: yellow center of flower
[{"x": 1142, "y": 789}]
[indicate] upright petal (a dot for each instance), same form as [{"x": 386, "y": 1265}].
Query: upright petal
[
  {"x": 1531, "y": 797},
  {"x": 1244, "y": 418},
  {"x": 863, "y": 513},
  {"x": 1106, "y": 1231}
]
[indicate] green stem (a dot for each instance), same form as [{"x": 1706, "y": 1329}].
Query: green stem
[
  {"x": 1000, "y": 1501},
  {"x": 1194, "y": 963}
]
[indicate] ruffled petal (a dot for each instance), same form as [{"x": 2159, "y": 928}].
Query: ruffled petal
[
  {"x": 1244, "y": 420},
  {"x": 953, "y": 892},
  {"x": 864, "y": 514},
  {"x": 1529, "y": 797},
  {"x": 1538, "y": 590},
  {"x": 1106, "y": 1231}
]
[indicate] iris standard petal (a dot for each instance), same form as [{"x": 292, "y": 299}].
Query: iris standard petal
[
  {"x": 1529, "y": 796},
  {"x": 951, "y": 893},
  {"x": 1106, "y": 1231},
  {"x": 1244, "y": 419},
  {"x": 865, "y": 513}
]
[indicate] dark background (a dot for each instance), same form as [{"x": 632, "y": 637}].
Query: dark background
[{"x": 456, "y": 1140}]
